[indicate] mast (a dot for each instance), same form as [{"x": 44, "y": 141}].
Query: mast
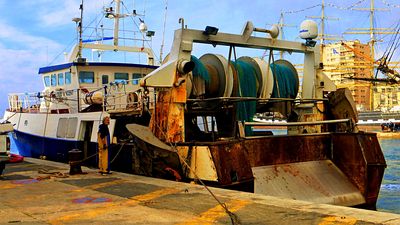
[
  {"x": 281, "y": 25},
  {"x": 116, "y": 21},
  {"x": 323, "y": 18},
  {"x": 322, "y": 22},
  {"x": 372, "y": 30},
  {"x": 372, "y": 36},
  {"x": 163, "y": 34}
]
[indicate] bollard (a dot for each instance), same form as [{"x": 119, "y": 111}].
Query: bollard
[{"x": 75, "y": 159}]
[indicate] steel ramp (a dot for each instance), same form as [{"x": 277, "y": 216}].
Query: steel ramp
[{"x": 315, "y": 181}]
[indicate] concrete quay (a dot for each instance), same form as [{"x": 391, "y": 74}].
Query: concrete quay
[{"x": 30, "y": 197}]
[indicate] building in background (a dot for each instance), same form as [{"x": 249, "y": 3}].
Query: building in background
[
  {"x": 386, "y": 98},
  {"x": 345, "y": 60}
]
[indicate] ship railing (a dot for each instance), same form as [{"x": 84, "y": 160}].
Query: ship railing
[
  {"x": 79, "y": 100},
  {"x": 307, "y": 123},
  {"x": 348, "y": 122},
  {"x": 24, "y": 102},
  {"x": 122, "y": 98},
  {"x": 57, "y": 101}
]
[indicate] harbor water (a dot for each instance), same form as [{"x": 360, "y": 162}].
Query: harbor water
[{"x": 389, "y": 196}]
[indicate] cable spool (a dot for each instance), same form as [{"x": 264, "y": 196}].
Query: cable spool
[
  {"x": 221, "y": 72},
  {"x": 286, "y": 80},
  {"x": 211, "y": 77},
  {"x": 93, "y": 98},
  {"x": 267, "y": 85}
]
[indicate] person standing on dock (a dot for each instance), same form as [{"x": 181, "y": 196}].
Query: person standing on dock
[{"x": 103, "y": 140}]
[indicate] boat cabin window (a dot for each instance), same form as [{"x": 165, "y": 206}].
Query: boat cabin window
[
  {"x": 60, "y": 79},
  {"x": 121, "y": 77},
  {"x": 67, "y": 77},
  {"x": 46, "y": 80},
  {"x": 136, "y": 77},
  {"x": 67, "y": 127},
  {"x": 53, "y": 80},
  {"x": 104, "y": 79},
  {"x": 86, "y": 77}
]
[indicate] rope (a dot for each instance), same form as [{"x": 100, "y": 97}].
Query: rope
[
  {"x": 55, "y": 174},
  {"x": 286, "y": 80},
  {"x": 123, "y": 144},
  {"x": 346, "y": 8},
  {"x": 234, "y": 218},
  {"x": 143, "y": 37},
  {"x": 5, "y": 121},
  {"x": 390, "y": 4},
  {"x": 83, "y": 160},
  {"x": 73, "y": 40},
  {"x": 200, "y": 70},
  {"x": 246, "y": 110},
  {"x": 301, "y": 10}
]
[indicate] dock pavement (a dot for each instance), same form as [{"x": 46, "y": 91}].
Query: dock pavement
[{"x": 41, "y": 192}]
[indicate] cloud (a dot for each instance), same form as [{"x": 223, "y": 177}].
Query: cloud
[
  {"x": 58, "y": 13},
  {"x": 16, "y": 36},
  {"x": 22, "y": 55}
]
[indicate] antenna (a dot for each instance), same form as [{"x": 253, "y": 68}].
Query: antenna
[
  {"x": 163, "y": 34},
  {"x": 80, "y": 31},
  {"x": 116, "y": 21}
]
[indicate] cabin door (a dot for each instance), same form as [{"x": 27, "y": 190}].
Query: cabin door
[{"x": 86, "y": 134}]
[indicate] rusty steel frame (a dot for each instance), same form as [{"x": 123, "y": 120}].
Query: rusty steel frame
[{"x": 344, "y": 149}]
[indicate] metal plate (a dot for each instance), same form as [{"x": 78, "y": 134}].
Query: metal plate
[
  {"x": 145, "y": 134},
  {"x": 315, "y": 181}
]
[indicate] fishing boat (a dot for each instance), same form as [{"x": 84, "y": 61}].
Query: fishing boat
[
  {"x": 191, "y": 119},
  {"x": 77, "y": 94}
]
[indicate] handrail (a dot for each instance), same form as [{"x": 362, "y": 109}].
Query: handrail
[{"x": 288, "y": 124}]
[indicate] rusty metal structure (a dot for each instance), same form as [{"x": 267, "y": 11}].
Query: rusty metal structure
[{"x": 196, "y": 130}]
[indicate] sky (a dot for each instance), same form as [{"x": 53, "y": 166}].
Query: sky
[{"x": 36, "y": 33}]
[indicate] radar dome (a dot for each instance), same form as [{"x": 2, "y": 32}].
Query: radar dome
[
  {"x": 308, "y": 29},
  {"x": 142, "y": 27}
]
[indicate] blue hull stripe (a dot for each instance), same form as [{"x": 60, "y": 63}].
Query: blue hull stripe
[
  {"x": 54, "y": 149},
  {"x": 57, "y": 150}
]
